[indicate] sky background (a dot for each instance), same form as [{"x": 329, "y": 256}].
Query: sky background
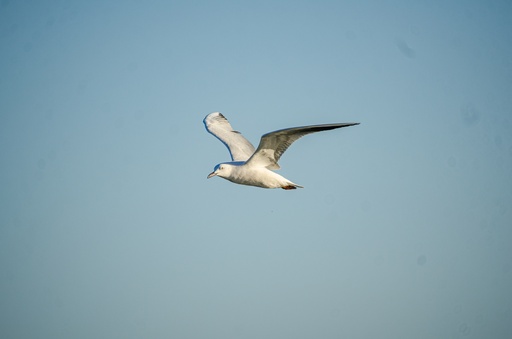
[{"x": 110, "y": 229}]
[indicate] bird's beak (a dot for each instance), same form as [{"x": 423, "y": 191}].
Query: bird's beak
[{"x": 211, "y": 175}]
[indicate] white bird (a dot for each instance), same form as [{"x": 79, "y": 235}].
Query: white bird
[{"x": 253, "y": 167}]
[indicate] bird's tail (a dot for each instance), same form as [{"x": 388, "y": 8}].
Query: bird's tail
[{"x": 291, "y": 186}]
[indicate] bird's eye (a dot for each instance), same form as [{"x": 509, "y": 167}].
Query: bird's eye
[{"x": 221, "y": 167}]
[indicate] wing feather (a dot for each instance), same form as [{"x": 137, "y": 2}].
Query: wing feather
[
  {"x": 238, "y": 146},
  {"x": 274, "y": 144}
]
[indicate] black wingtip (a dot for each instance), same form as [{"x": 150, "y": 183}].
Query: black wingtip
[{"x": 327, "y": 127}]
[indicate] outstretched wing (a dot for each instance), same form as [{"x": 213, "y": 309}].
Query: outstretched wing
[
  {"x": 239, "y": 147},
  {"x": 274, "y": 144}
]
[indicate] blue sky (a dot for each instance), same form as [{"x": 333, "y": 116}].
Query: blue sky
[{"x": 109, "y": 227}]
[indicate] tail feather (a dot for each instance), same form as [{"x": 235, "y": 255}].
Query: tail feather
[{"x": 291, "y": 186}]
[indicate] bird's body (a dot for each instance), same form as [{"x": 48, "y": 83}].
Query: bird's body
[
  {"x": 241, "y": 173},
  {"x": 253, "y": 167}
]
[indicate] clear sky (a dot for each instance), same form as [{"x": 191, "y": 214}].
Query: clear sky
[{"x": 110, "y": 229}]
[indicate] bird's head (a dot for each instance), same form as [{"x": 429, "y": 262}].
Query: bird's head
[{"x": 221, "y": 170}]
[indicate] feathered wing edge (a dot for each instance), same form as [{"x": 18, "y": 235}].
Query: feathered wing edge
[
  {"x": 272, "y": 145},
  {"x": 238, "y": 146}
]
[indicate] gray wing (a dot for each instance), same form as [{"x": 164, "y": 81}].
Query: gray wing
[
  {"x": 274, "y": 144},
  {"x": 239, "y": 147}
]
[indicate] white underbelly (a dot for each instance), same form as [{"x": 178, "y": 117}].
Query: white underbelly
[{"x": 260, "y": 177}]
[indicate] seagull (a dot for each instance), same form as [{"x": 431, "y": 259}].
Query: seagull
[{"x": 253, "y": 167}]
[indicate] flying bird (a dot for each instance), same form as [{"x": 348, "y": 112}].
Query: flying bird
[{"x": 253, "y": 167}]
